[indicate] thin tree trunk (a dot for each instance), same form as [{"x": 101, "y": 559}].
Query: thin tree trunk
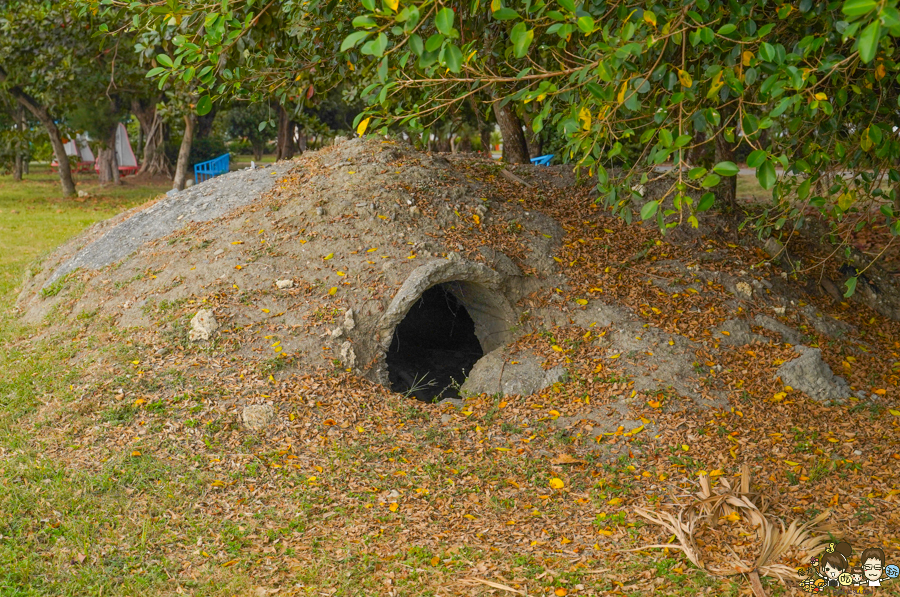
[
  {"x": 726, "y": 190},
  {"x": 484, "y": 129},
  {"x": 302, "y": 141},
  {"x": 184, "y": 153},
  {"x": 285, "y": 150},
  {"x": 107, "y": 161},
  {"x": 515, "y": 149},
  {"x": 19, "y": 167},
  {"x": 532, "y": 140},
  {"x": 154, "y": 158},
  {"x": 43, "y": 115}
]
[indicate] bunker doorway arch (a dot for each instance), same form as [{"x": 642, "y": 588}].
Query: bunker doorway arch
[{"x": 446, "y": 316}]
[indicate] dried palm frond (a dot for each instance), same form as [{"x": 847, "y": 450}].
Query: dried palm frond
[{"x": 774, "y": 544}]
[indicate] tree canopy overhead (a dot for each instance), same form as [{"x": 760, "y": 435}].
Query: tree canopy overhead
[{"x": 811, "y": 89}]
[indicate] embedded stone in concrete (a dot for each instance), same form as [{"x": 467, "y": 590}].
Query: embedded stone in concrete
[
  {"x": 498, "y": 372},
  {"x": 810, "y": 374}
]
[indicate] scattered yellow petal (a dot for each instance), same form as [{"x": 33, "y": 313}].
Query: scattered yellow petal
[
  {"x": 329, "y": 256},
  {"x": 582, "y": 301},
  {"x": 333, "y": 290},
  {"x": 791, "y": 463},
  {"x": 561, "y": 592},
  {"x": 614, "y": 502},
  {"x": 136, "y": 453},
  {"x": 556, "y": 483},
  {"x": 393, "y": 507}
]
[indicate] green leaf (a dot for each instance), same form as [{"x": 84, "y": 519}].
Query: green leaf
[
  {"x": 868, "y": 41},
  {"x": 434, "y": 42},
  {"x": 851, "y": 287},
  {"x": 726, "y": 168},
  {"x": 416, "y": 45},
  {"x": 444, "y": 20},
  {"x": 706, "y": 201},
  {"x": 155, "y": 71},
  {"x": 378, "y": 45},
  {"x": 727, "y": 29},
  {"x": 453, "y": 58},
  {"x": 649, "y": 210},
  {"x": 521, "y": 38},
  {"x": 857, "y": 8},
  {"x": 710, "y": 181},
  {"x": 354, "y": 38},
  {"x": 506, "y": 14},
  {"x": 164, "y": 60},
  {"x": 586, "y": 24},
  {"x": 363, "y": 21},
  {"x": 204, "y": 105},
  {"x": 567, "y": 4},
  {"x": 595, "y": 90},
  {"x": 697, "y": 173},
  {"x": 766, "y": 175},
  {"x": 803, "y": 189},
  {"x": 756, "y": 158}
]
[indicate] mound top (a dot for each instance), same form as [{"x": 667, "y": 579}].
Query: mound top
[{"x": 413, "y": 270}]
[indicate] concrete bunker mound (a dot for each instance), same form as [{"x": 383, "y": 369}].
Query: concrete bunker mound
[{"x": 445, "y": 317}]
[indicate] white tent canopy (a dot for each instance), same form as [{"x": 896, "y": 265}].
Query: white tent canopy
[
  {"x": 78, "y": 147},
  {"x": 124, "y": 153}
]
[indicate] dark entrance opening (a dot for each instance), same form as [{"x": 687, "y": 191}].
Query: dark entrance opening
[{"x": 434, "y": 347}]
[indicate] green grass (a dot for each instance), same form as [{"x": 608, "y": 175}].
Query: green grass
[{"x": 35, "y": 217}]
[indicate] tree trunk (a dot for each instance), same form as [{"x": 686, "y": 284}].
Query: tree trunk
[
  {"x": 302, "y": 140},
  {"x": 107, "y": 161},
  {"x": 485, "y": 135},
  {"x": 205, "y": 123},
  {"x": 184, "y": 153},
  {"x": 532, "y": 140},
  {"x": 515, "y": 148},
  {"x": 154, "y": 157},
  {"x": 43, "y": 115},
  {"x": 19, "y": 166},
  {"x": 285, "y": 150}
]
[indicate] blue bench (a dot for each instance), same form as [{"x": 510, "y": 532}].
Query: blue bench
[
  {"x": 212, "y": 168},
  {"x": 543, "y": 160}
]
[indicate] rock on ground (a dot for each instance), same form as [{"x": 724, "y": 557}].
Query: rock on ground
[
  {"x": 258, "y": 416},
  {"x": 810, "y": 374},
  {"x": 500, "y": 373},
  {"x": 203, "y": 325}
]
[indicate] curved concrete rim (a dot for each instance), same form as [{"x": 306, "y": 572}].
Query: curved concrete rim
[{"x": 476, "y": 286}]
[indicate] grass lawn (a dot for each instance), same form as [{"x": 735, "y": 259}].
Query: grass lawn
[{"x": 35, "y": 217}]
